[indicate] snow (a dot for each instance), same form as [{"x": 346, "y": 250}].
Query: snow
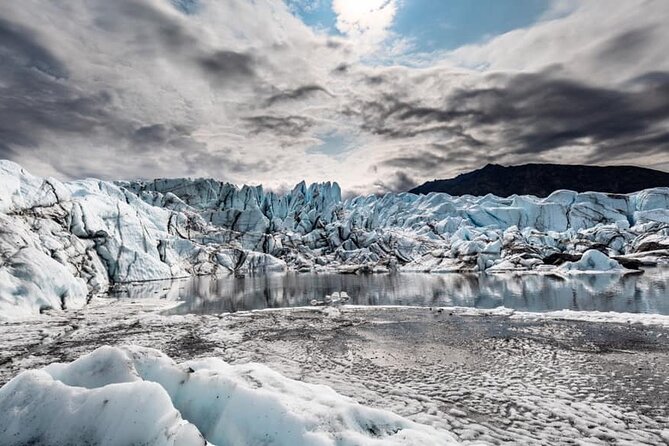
[
  {"x": 596, "y": 316},
  {"x": 103, "y": 233},
  {"x": 136, "y": 395},
  {"x": 609, "y": 317}
]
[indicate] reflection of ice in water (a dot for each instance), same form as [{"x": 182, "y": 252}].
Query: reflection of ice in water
[{"x": 647, "y": 293}]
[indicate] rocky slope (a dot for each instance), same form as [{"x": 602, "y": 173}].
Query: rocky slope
[
  {"x": 62, "y": 242},
  {"x": 542, "y": 179}
]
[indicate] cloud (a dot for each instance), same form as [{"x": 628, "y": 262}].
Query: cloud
[
  {"x": 35, "y": 96},
  {"x": 365, "y": 19},
  {"x": 21, "y": 50},
  {"x": 296, "y": 94},
  {"x": 134, "y": 77},
  {"x": 244, "y": 91},
  {"x": 398, "y": 182},
  {"x": 526, "y": 116},
  {"x": 431, "y": 159},
  {"x": 225, "y": 65},
  {"x": 603, "y": 41},
  {"x": 538, "y": 112},
  {"x": 279, "y": 125}
]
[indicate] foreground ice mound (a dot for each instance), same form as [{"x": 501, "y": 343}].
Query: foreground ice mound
[
  {"x": 134, "y": 395},
  {"x": 83, "y": 236}
]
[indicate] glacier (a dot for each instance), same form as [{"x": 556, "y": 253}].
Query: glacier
[{"x": 63, "y": 242}]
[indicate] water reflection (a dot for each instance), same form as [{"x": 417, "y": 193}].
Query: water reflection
[{"x": 647, "y": 293}]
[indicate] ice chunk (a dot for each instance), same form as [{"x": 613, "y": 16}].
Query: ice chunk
[
  {"x": 133, "y": 395},
  {"x": 31, "y": 281},
  {"x": 593, "y": 261}
]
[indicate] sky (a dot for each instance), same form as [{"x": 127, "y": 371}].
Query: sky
[{"x": 378, "y": 95}]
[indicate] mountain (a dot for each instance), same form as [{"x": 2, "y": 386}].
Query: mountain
[{"x": 542, "y": 179}]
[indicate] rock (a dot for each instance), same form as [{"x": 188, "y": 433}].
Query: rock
[
  {"x": 628, "y": 263},
  {"x": 558, "y": 258}
]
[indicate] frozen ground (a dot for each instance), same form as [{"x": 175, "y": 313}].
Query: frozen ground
[{"x": 490, "y": 377}]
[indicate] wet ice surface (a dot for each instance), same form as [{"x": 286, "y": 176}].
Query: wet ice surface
[
  {"x": 645, "y": 293},
  {"x": 489, "y": 379}
]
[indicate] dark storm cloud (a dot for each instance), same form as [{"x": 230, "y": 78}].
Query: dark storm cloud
[
  {"x": 653, "y": 79},
  {"x": 279, "y": 125},
  {"x": 149, "y": 137},
  {"x": 37, "y": 101},
  {"x": 423, "y": 161},
  {"x": 152, "y": 134},
  {"x": 434, "y": 157},
  {"x": 528, "y": 114},
  {"x": 434, "y": 160},
  {"x": 167, "y": 35},
  {"x": 387, "y": 116},
  {"x": 35, "y": 95},
  {"x": 296, "y": 94},
  {"x": 398, "y": 182},
  {"x": 227, "y": 64},
  {"x": 18, "y": 46},
  {"x": 537, "y": 113}
]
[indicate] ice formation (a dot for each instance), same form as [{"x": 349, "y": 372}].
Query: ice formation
[
  {"x": 135, "y": 395},
  {"x": 60, "y": 242},
  {"x": 592, "y": 261}
]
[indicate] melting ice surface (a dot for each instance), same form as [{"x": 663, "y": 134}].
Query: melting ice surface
[{"x": 646, "y": 293}]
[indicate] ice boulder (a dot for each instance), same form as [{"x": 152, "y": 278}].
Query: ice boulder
[
  {"x": 38, "y": 409},
  {"x": 134, "y": 395},
  {"x": 593, "y": 261},
  {"x": 31, "y": 281}
]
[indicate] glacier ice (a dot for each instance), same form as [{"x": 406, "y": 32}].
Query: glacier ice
[
  {"x": 136, "y": 395},
  {"x": 592, "y": 261},
  {"x": 63, "y": 241}
]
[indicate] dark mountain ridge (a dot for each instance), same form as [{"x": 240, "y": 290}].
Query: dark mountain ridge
[{"x": 542, "y": 179}]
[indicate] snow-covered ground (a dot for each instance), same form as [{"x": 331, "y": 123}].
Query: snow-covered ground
[
  {"x": 480, "y": 377},
  {"x": 60, "y": 243}
]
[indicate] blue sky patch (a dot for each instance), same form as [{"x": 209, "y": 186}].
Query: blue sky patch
[
  {"x": 449, "y": 24},
  {"x": 434, "y": 25},
  {"x": 186, "y": 6}
]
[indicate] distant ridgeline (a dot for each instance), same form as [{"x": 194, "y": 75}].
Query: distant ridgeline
[{"x": 542, "y": 179}]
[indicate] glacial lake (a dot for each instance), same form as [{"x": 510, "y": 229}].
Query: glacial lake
[{"x": 643, "y": 293}]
